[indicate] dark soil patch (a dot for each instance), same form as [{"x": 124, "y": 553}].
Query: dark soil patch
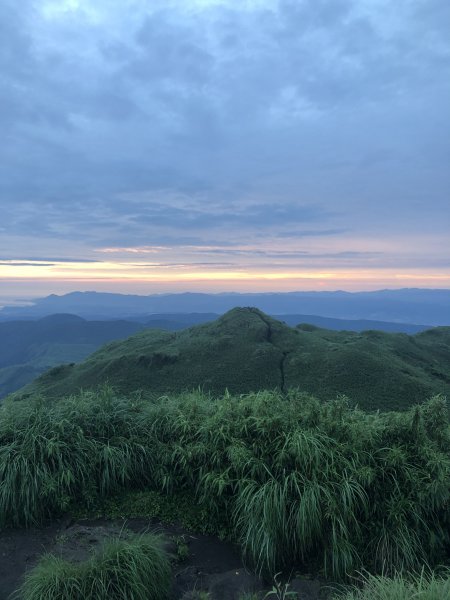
[
  {"x": 204, "y": 563},
  {"x": 19, "y": 550}
]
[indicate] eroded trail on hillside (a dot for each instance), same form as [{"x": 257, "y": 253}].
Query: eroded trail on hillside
[{"x": 285, "y": 353}]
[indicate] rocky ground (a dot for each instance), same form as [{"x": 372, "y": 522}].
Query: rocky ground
[{"x": 204, "y": 563}]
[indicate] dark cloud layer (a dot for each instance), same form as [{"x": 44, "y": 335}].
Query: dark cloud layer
[{"x": 126, "y": 123}]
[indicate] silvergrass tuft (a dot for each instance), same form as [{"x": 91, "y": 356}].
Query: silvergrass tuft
[
  {"x": 400, "y": 587},
  {"x": 301, "y": 481},
  {"x": 136, "y": 569}
]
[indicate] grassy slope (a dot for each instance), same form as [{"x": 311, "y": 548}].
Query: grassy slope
[
  {"x": 245, "y": 350},
  {"x": 28, "y": 348},
  {"x": 41, "y": 357}
]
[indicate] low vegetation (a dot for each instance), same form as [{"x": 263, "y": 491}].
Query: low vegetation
[
  {"x": 137, "y": 569},
  {"x": 419, "y": 587},
  {"x": 301, "y": 481},
  {"x": 246, "y": 350}
]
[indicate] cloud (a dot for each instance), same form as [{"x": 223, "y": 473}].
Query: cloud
[
  {"x": 25, "y": 264},
  {"x": 42, "y": 260},
  {"x": 169, "y": 123},
  {"x": 305, "y": 233}
]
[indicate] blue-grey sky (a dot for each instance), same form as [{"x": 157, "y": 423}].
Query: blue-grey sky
[{"x": 213, "y": 144}]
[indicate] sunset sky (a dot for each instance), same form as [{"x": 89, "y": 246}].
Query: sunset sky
[{"x": 217, "y": 145}]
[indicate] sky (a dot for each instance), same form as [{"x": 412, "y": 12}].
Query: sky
[{"x": 216, "y": 145}]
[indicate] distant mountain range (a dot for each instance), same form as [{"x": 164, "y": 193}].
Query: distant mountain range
[
  {"x": 431, "y": 307},
  {"x": 30, "y": 347},
  {"x": 246, "y": 350}
]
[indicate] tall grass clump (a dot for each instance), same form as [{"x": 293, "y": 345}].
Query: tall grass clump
[
  {"x": 51, "y": 453},
  {"x": 399, "y": 587},
  {"x": 135, "y": 569},
  {"x": 301, "y": 481}
]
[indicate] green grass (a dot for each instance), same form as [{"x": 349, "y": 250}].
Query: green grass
[
  {"x": 28, "y": 348},
  {"x": 182, "y": 508},
  {"x": 301, "y": 482},
  {"x": 420, "y": 587},
  {"x": 135, "y": 569},
  {"x": 245, "y": 350}
]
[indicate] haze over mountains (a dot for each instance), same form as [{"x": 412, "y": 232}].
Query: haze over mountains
[
  {"x": 417, "y": 306},
  {"x": 246, "y": 350}
]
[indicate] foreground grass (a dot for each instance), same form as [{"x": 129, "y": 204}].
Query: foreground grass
[
  {"x": 420, "y": 587},
  {"x": 136, "y": 569},
  {"x": 300, "y": 481}
]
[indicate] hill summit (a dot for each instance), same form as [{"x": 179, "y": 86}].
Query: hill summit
[{"x": 246, "y": 350}]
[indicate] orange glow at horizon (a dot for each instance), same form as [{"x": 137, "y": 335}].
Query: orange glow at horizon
[{"x": 123, "y": 274}]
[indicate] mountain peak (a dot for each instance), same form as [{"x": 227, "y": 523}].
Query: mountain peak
[{"x": 246, "y": 350}]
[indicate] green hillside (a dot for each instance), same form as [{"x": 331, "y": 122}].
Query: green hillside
[
  {"x": 28, "y": 348},
  {"x": 245, "y": 350}
]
